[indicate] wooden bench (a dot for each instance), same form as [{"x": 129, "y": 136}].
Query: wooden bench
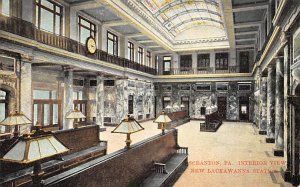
[
  {"x": 166, "y": 174},
  {"x": 212, "y": 122},
  {"x": 84, "y": 145}
]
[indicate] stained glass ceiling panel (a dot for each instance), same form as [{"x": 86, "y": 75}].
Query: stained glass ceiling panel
[{"x": 180, "y": 15}]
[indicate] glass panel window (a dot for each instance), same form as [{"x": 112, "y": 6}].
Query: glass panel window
[
  {"x": 221, "y": 61},
  {"x": 203, "y": 61},
  {"x": 130, "y": 51},
  {"x": 46, "y": 114},
  {"x": 35, "y": 113},
  {"x": 166, "y": 65},
  {"x": 2, "y": 95},
  {"x": 86, "y": 29},
  {"x": 41, "y": 94},
  {"x": 130, "y": 104},
  {"x": 49, "y": 16},
  {"x": 148, "y": 59},
  {"x": 6, "y": 7},
  {"x": 185, "y": 62},
  {"x": 112, "y": 43},
  {"x": 140, "y": 55}
]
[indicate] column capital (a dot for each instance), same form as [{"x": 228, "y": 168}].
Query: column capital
[
  {"x": 26, "y": 58},
  {"x": 67, "y": 68}
]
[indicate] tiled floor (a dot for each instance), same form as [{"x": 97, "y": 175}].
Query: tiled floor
[{"x": 212, "y": 153}]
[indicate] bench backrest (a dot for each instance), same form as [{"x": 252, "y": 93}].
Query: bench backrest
[{"x": 212, "y": 117}]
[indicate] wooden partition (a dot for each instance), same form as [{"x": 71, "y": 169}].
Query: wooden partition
[
  {"x": 121, "y": 168},
  {"x": 80, "y": 138}
]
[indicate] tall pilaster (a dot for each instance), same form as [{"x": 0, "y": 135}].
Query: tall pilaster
[
  {"x": 212, "y": 61},
  {"x": 271, "y": 105},
  {"x": 287, "y": 113},
  {"x": 263, "y": 106},
  {"x": 279, "y": 110},
  {"x": 68, "y": 98},
  {"x": 26, "y": 92},
  {"x": 100, "y": 101},
  {"x": 122, "y": 109}
]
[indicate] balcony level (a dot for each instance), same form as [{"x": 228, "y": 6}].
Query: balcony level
[{"x": 28, "y": 30}]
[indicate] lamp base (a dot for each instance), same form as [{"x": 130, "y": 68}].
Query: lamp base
[
  {"x": 37, "y": 175},
  {"x": 128, "y": 142}
]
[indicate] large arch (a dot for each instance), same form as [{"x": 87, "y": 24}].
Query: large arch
[{"x": 12, "y": 99}]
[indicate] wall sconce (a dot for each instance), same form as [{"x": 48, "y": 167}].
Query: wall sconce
[
  {"x": 128, "y": 126},
  {"x": 163, "y": 121},
  {"x": 34, "y": 148},
  {"x": 75, "y": 114},
  {"x": 15, "y": 119}
]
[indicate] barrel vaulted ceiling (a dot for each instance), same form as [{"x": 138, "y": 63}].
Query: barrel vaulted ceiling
[
  {"x": 179, "y": 16},
  {"x": 180, "y": 25}
]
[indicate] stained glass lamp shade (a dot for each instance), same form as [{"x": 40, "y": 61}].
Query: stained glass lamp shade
[
  {"x": 33, "y": 149},
  {"x": 163, "y": 120},
  {"x": 28, "y": 149},
  {"x": 15, "y": 119},
  {"x": 128, "y": 126},
  {"x": 75, "y": 114}
]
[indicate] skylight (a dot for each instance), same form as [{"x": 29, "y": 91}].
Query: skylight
[{"x": 182, "y": 15}]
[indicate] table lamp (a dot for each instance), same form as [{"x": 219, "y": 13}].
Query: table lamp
[
  {"x": 75, "y": 114},
  {"x": 163, "y": 120},
  {"x": 15, "y": 119},
  {"x": 128, "y": 126},
  {"x": 33, "y": 148}
]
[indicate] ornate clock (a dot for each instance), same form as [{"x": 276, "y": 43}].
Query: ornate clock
[{"x": 91, "y": 45}]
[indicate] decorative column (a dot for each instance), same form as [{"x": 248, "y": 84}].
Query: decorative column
[
  {"x": 194, "y": 62},
  {"x": 26, "y": 91},
  {"x": 68, "y": 97},
  {"x": 121, "y": 100},
  {"x": 212, "y": 61},
  {"x": 100, "y": 101},
  {"x": 279, "y": 111},
  {"x": 263, "y": 107},
  {"x": 287, "y": 113},
  {"x": 271, "y": 105}
]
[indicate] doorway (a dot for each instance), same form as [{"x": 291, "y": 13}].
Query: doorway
[
  {"x": 244, "y": 108},
  {"x": 185, "y": 100},
  {"x": 222, "y": 107},
  {"x": 244, "y": 62},
  {"x": 4, "y": 100}
]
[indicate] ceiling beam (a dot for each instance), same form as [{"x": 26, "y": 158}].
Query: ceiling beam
[
  {"x": 250, "y": 7},
  {"x": 153, "y": 46},
  {"x": 246, "y": 39},
  {"x": 85, "y": 5},
  {"x": 246, "y": 33},
  {"x": 146, "y": 41},
  {"x": 247, "y": 24},
  {"x": 135, "y": 35},
  {"x": 115, "y": 23},
  {"x": 245, "y": 46}
]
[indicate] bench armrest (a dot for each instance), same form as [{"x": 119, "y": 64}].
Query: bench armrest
[
  {"x": 182, "y": 150},
  {"x": 160, "y": 168}
]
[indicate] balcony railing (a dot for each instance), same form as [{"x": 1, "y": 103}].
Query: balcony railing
[
  {"x": 28, "y": 30},
  {"x": 202, "y": 70}
]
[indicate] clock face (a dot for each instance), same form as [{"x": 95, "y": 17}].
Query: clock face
[{"x": 91, "y": 45}]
